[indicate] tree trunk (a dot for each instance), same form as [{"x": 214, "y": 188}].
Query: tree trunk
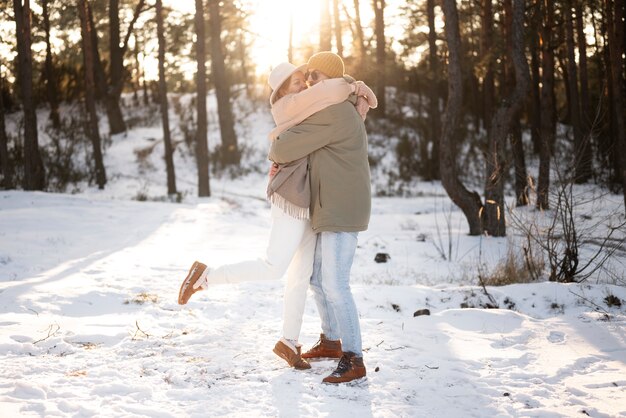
[
  {"x": 51, "y": 86},
  {"x": 117, "y": 47},
  {"x": 244, "y": 67},
  {"x": 469, "y": 202},
  {"x": 359, "y": 33},
  {"x": 325, "y": 26},
  {"x": 5, "y": 163},
  {"x": 379, "y": 30},
  {"x": 202, "y": 149},
  {"x": 488, "y": 58},
  {"x": 494, "y": 213},
  {"x": 515, "y": 134},
  {"x": 111, "y": 104},
  {"x": 90, "y": 100},
  {"x": 582, "y": 154},
  {"x": 585, "y": 101},
  {"x": 519, "y": 158},
  {"x": 230, "y": 151},
  {"x": 615, "y": 29},
  {"x": 169, "y": 152},
  {"x": 434, "y": 114},
  {"x": 34, "y": 173},
  {"x": 534, "y": 110},
  {"x": 548, "y": 121},
  {"x": 337, "y": 28}
]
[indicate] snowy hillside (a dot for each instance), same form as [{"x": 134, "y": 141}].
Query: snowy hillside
[{"x": 89, "y": 324}]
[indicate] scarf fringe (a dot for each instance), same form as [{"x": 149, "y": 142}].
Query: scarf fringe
[{"x": 289, "y": 208}]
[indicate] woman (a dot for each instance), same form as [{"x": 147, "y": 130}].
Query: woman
[{"x": 292, "y": 242}]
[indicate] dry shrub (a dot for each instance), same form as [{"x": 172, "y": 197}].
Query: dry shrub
[{"x": 517, "y": 267}]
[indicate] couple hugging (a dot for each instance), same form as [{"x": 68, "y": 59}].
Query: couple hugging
[{"x": 320, "y": 193}]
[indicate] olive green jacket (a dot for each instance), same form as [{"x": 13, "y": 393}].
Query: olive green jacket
[{"x": 336, "y": 142}]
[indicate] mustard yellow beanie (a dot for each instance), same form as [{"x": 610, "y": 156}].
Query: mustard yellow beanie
[{"x": 327, "y": 62}]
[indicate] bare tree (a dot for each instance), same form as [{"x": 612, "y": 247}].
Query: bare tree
[
  {"x": 381, "y": 54},
  {"x": 325, "y": 26},
  {"x": 90, "y": 100},
  {"x": 51, "y": 82},
  {"x": 548, "y": 121},
  {"x": 515, "y": 135},
  {"x": 169, "y": 151},
  {"x": 494, "y": 214},
  {"x": 34, "y": 173},
  {"x": 585, "y": 101},
  {"x": 5, "y": 164},
  {"x": 337, "y": 28},
  {"x": 434, "y": 113},
  {"x": 360, "y": 37},
  {"x": 117, "y": 50},
  {"x": 469, "y": 202},
  {"x": 583, "y": 157},
  {"x": 202, "y": 150},
  {"x": 534, "y": 105},
  {"x": 230, "y": 151},
  {"x": 486, "y": 52},
  {"x": 615, "y": 29},
  {"x": 111, "y": 104}
]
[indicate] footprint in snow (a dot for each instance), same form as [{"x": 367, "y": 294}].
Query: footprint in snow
[{"x": 556, "y": 337}]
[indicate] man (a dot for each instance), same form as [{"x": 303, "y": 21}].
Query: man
[{"x": 336, "y": 142}]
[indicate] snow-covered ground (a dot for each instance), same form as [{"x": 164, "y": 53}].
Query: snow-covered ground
[{"x": 89, "y": 324}]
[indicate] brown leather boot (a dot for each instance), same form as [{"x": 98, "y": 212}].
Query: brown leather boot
[
  {"x": 348, "y": 369},
  {"x": 295, "y": 360},
  {"x": 186, "y": 287},
  {"x": 324, "y": 348}
]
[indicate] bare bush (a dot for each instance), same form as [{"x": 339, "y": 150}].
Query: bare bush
[{"x": 563, "y": 232}]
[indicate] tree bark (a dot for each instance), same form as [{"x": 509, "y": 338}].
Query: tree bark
[
  {"x": 169, "y": 152},
  {"x": 202, "y": 149},
  {"x": 115, "y": 49},
  {"x": 34, "y": 173},
  {"x": 90, "y": 100},
  {"x": 359, "y": 33},
  {"x": 515, "y": 134},
  {"x": 615, "y": 29},
  {"x": 434, "y": 113},
  {"x": 51, "y": 86},
  {"x": 5, "y": 163},
  {"x": 230, "y": 151},
  {"x": 585, "y": 101},
  {"x": 487, "y": 55},
  {"x": 337, "y": 28},
  {"x": 111, "y": 104},
  {"x": 582, "y": 154},
  {"x": 494, "y": 214},
  {"x": 469, "y": 202},
  {"x": 325, "y": 26},
  {"x": 548, "y": 121},
  {"x": 381, "y": 55},
  {"x": 534, "y": 109},
  {"x": 118, "y": 48}
]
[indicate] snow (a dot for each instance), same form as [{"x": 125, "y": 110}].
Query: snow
[{"x": 89, "y": 324}]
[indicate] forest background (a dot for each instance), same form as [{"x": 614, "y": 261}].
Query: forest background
[{"x": 520, "y": 99}]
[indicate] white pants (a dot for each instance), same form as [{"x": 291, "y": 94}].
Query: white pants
[{"x": 291, "y": 248}]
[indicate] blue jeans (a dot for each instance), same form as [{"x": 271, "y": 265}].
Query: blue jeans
[{"x": 334, "y": 253}]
